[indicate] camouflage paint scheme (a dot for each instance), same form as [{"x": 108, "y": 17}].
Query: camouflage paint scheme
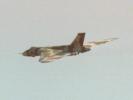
[{"x": 48, "y": 54}]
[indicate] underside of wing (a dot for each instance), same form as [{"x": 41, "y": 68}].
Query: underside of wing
[
  {"x": 50, "y": 59},
  {"x": 48, "y": 55}
]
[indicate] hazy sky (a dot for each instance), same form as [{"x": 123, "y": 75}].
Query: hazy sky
[{"x": 105, "y": 73}]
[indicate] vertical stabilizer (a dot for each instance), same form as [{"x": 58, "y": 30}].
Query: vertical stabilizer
[{"x": 79, "y": 40}]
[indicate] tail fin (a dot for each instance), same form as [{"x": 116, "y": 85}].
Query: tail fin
[{"x": 79, "y": 40}]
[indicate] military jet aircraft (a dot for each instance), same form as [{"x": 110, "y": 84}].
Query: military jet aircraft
[{"x": 48, "y": 54}]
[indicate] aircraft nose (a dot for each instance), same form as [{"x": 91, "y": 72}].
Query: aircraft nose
[{"x": 24, "y": 54}]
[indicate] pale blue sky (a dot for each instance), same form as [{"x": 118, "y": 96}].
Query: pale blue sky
[{"x": 105, "y": 73}]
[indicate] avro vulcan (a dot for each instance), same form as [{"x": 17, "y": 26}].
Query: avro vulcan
[{"x": 48, "y": 54}]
